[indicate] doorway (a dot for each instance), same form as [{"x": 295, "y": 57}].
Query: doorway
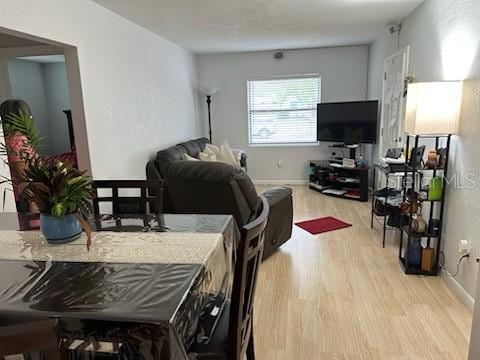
[
  {"x": 45, "y": 74},
  {"x": 394, "y": 101},
  {"x": 41, "y": 81}
]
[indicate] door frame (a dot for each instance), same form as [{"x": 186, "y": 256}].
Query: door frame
[
  {"x": 73, "y": 79},
  {"x": 406, "y": 52}
]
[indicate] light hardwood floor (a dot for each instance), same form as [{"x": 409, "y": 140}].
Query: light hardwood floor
[{"x": 340, "y": 295}]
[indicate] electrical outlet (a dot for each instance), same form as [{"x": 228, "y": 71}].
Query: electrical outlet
[
  {"x": 464, "y": 247},
  {"x": 474, "y": 255},
  {"x": 279, "y": 163}
]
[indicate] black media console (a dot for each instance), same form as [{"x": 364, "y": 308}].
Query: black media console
[{"x": 332, "y": 178}]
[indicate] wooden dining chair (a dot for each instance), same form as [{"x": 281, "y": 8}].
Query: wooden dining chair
[
  {"x": 233, "y": 337},
  {"x": 149, "y": 201},
  {"x": 39, "y": 336}
]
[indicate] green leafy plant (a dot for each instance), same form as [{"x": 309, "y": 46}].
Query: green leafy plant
[
  {"x": 56, "y": 187},
  {"x": 21, "y": 124}
]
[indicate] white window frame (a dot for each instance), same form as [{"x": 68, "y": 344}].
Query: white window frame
[{"x": 281, "y": 144}]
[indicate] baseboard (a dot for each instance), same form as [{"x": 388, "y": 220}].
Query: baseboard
[
  {"x": 280, "y": 182},
  {"x": 459, "y": 291}
]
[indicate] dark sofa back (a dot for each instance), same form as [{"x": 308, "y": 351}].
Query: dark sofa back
[
  {"x": 200, "y": 187},
  {"x": 155, "y": 168}
]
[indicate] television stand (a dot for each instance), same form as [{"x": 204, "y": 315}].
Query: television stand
[
  {"x": 352, "y": 147},
  {"x": 334, "y": 179}
]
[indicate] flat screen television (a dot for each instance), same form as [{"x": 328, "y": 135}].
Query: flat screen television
[{"x": 352, "y": 122}]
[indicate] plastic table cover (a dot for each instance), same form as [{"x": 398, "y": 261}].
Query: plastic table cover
[{"x": 124, "y": 310}]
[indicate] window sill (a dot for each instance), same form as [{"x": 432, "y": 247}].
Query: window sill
[{"x": 286, "y": 144}]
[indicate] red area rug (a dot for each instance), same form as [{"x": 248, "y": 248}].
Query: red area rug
[{"x": 321, "y": 225}]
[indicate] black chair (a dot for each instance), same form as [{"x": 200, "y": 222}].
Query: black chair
[
  {"x": 143, "y": 204},
  {"x": 233, "y": 337},
  {"x": 39, "y": 336}
]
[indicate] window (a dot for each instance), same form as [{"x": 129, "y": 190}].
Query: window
[{"x": 283, "y": 111}]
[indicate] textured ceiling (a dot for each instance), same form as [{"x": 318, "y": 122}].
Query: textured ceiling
[{"x": 206, "y": 26}]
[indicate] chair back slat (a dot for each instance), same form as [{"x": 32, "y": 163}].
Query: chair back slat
[
  {"x": 39, "y": 336},
  {"x": 143, "y": 204},
  {"x": 249, "y": 257}
]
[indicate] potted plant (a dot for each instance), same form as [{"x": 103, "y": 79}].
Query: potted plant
[{"x": 60, "y": 191}]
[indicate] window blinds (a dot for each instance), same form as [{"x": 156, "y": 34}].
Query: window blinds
[{"x": 283, "y": 111}]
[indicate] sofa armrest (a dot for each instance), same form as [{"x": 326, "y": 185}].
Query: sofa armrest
[
  {"x": 241, "y": 157},
  {"x": 276, "y": 194},
  {"x": 279, "y": 227}
]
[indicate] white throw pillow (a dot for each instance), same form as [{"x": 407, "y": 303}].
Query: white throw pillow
[
  {"x": 223, "y": 153},
  {"x": 211, "y": 149},
  {"x": 227, "y": 154},
  {"x": 203, "y": 156},
  {"x": 189, "y": 158}
]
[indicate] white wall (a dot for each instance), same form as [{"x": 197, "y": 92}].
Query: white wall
[
  {"x": 56, "y": 89},
  {"x": 44, "y": 87},
  {"x": 26, "y": 81},
  {"x": 444, "y": 45},
  {"x": 138, "y": 88},
  {"x": 344, "y": 77}
]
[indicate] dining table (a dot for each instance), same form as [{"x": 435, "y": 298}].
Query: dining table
[{"x": 147, "y": 288}]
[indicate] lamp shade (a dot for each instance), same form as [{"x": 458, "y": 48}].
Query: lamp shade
[
  {"x": 433, "y": 108},
  {"x": 208, "y": 90}
]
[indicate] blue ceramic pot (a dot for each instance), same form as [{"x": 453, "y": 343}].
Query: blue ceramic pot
[{"x": 59, "y": 230}]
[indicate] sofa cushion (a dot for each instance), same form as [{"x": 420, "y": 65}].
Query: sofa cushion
[
  {"x": 165, "y": 157},
  {"x": 194, "y": 147}
]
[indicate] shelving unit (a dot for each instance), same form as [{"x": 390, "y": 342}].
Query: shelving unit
[
  {"x": 415, "y": 172},
  {"x": 382, "y": 218},
  {"x": 339, "y": 181}
]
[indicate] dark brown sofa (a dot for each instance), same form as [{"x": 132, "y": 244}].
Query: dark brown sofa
[{"x": 201, "y": 187}]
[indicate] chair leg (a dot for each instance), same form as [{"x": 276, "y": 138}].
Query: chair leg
[{"x": 251, "y": 347}]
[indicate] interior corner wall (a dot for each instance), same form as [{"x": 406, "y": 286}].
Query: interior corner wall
[
  {"x": 57, "y": 94},
  {"x": 138, "y": 88},
  {"x": 444, "y": 41},
  {"x": 26, "y": 81},
  {"x": 343, "y": 72}
]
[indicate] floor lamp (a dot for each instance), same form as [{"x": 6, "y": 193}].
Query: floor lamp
[{"x": 209, "y": 92}]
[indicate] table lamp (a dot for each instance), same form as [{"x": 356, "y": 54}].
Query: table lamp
[{"x": 433, "y": 108}]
